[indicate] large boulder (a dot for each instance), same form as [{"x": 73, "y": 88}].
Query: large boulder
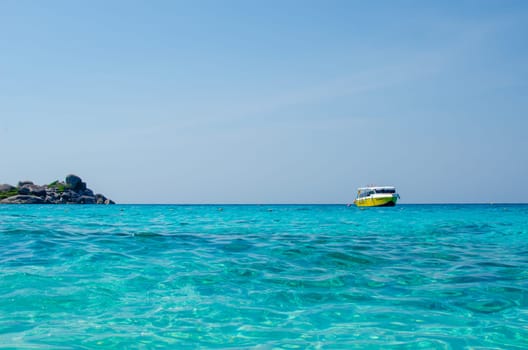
[
  {"x": 6, "y": 188},
  {"x": 33, "y": 190},
  {"x": 24, "y": 183},
  {"x": 24, "y": 190},
  {"x": 22, "y": 199},
  {"x": 36, "y": 190},
  {"x": 73, "y": 181}
]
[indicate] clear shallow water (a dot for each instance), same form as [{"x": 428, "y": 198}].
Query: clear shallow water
[{"x": 264, "y": 277}]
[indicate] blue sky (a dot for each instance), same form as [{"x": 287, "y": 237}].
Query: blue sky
[{"x": 267, "y": 101}]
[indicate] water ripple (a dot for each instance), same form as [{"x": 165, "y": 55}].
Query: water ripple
[{"x": 410, "y": 277}]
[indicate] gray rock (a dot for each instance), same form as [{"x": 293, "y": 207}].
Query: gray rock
[
  {"x": 24, "y": 190},
  {"x": 87, "y": 192},
  {"x": 74, "y": 195},
  {"x": 73, "y": 181},
  {"x": 109, "y": 201},
  {"x": 99, "y": 198},
  {"x": 66, "y": 195},
  {"x": 87, "y": 200},
  {"x": 23, "y": 183},
  {"x": 35, "y": 190},
  {"x": 52, "y": 195},
  {"x": 81, "y": 187},
  {"x": 6, "y": 188},
  {"x": 23, "y": 199},
  {"x": 51, "y": 191}
]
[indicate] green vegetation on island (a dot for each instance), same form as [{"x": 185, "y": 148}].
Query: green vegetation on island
[{"x": 8, "y": 193}]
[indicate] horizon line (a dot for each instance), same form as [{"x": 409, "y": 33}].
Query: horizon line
[{"x": 344, "y": 204}]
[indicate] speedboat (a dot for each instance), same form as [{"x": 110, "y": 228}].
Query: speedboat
[{"x": 376, "y": 196}]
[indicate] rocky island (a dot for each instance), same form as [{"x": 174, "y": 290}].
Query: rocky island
[{"x": 71, "y": 191}]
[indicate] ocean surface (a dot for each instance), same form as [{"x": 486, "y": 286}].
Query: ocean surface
[{"x": 264, "y": 277}]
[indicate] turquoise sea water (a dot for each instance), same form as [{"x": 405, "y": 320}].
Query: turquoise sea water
[{"x": 264, "y": 277}]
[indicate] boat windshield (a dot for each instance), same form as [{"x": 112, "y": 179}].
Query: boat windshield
[
  {"x": 385, "y": 190},
  {"x": 370, "y": 191},
  {"x": 365, "y": 193}
]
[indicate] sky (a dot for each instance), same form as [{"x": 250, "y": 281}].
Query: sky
[{"x": 267, "y": 101}]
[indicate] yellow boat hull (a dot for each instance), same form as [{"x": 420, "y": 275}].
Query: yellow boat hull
[{"x": 388, "y": 201}]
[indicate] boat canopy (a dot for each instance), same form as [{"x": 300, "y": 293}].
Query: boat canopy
[
  {"x": 369, "y": 191},
  {"x": 378, "y": 188}
]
